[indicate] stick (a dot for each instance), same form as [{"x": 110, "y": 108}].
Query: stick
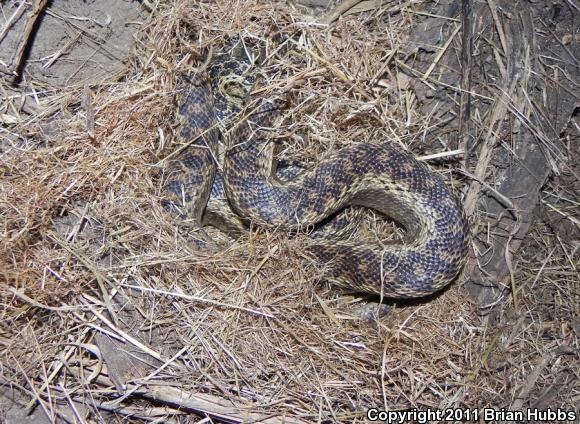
[{"x": 17, "y": 59}]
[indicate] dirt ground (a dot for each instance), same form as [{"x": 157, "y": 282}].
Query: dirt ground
[{"x": 110, "y": 310}]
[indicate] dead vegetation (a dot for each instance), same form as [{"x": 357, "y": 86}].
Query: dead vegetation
[{"x": 110, "y": 311}]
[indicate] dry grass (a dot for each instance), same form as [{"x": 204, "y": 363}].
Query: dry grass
[{"x": 81, "y": 221}]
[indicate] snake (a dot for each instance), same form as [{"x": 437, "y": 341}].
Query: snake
[{"x": 237, "y": 164}]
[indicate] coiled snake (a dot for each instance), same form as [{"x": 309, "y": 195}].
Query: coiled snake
[{"x": 377, "y": 176}]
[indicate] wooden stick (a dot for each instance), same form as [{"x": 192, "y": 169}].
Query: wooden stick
[
  {"x": 466, "y": 64},
  {"x": 16, "y": 62}
]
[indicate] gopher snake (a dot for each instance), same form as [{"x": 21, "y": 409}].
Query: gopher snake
[{"x": 377, "y": 176}]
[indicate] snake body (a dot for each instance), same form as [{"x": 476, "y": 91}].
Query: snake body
[{"x": 376, "y": 176}]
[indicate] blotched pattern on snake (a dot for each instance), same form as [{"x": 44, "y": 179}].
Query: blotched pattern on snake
[{"x": 377, "y": 176}]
